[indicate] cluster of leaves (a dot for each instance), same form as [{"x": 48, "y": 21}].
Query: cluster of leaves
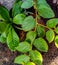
[{"x": 35, "y": 32}]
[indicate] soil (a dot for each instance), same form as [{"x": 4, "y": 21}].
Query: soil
[{"x": 49, "y": 58}]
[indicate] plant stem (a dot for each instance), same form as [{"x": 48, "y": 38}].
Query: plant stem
[
  {"x": 35, "y": 13},
  {"x": 18, "y": 28},
  {"x": 36, "y": 20},
  {"x": 35, "y": 7},
  {"x": 44, "y": 26}
]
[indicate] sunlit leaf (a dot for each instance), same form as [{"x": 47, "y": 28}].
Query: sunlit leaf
[
  {"x": 12, "y": 39},
  {"x": 56, "y": 30},
  {"x": 52, "y": 22},
  {"x": 44, "y": 9},
  {"x": 18, "y": 19},
  {"x": 30, "y": 36},
  {"x": 30, "y": 63},
  {"x": 21, "y": 59},
  {"x": 40, "y": 31},
  {"x": 36, "y": 56},
  {"x": 41, "y": 44},
  {"x": 16, "y": 9},
  {"x": 23, "y": 47},
  {"x": 56, "y": 41},
  {"x": 28, "y": 23},
  {"x": 27, "y": 4},
  {"x": 50, "y": 35}
]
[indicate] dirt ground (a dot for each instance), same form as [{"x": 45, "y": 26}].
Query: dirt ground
[{"x": 49, "y": 58}]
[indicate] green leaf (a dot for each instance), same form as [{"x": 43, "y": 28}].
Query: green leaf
[
  {"x": 1, "y": 18},
  {"x": 12, "y": 39},
  {"x": 3, "y": 38},
  {"x": 41, "y": 44},
  {"x": 23, "y": 47},
  {"x": 2, "y": 27},
  {"x": 21, "y": 59},
  {"x": 56, "y": 41},
  {"x": 30, "y": 63},
  {"x": 16, "y": 9},
  {"x": 50, "y": 35},
  {"x": 4, "y": 13},
  {"x": 30, "y": 36},
  {"x": 39, "y": 2},
  {"x": 44, "y": 9},
  {"x": 56, "y": 30},
  {"x": 52, "y": 22},
  {"x": 4, "y": 34},
  {"x": 28, "y": 23},
  {"x": 27, "y": 4},
  {"x": 40, "y": 31},
  {"x": 36, "y": 56},
  {"x": 18, "y": 19}
]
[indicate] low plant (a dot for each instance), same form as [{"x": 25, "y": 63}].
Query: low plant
[{"x": 37, "y": 35}]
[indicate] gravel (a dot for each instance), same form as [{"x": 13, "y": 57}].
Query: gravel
[{"x": 7, "y": 3}]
